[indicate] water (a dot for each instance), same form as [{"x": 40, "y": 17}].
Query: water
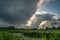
[{"x": 20, "y": 36}]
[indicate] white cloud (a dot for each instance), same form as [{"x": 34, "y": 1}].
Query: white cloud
[
  {"x": 56, "y": 17},
  {"x": 37, "y": 18}
]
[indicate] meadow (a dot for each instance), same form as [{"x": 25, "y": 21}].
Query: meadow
[{"x": 30, "y": 34}]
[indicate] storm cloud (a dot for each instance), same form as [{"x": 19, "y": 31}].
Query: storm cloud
[{"x": 17, "y": 11}]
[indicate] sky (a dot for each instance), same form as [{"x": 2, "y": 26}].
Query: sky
[
  {"x": 48, "y": 10},
  {"x": 18, "y": 12},
  {"x": 53, "y": 6}
]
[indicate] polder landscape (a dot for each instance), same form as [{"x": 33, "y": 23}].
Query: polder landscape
[
  {"x": 29, "y": 34},
  {"x": 29, "y": 19}
]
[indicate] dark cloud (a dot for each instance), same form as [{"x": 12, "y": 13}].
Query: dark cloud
[
  {"x": 4, "y": 24},
  {"x": 17, "y": 11},
  {"x": 47, "y": 16}
]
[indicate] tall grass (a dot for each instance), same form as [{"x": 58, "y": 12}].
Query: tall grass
[{"x": 30, "y": 35}]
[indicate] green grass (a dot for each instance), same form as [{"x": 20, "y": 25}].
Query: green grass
[{"x": 30, "y": 34}]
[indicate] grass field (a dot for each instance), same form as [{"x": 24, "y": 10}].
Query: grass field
[{"x": 30, "y": 34}]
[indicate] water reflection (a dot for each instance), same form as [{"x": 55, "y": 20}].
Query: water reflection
[{"x": 20, "y": 36}]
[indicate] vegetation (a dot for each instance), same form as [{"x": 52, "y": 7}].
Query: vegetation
[
  {"x": 11, "y": 33},
  {"x": 30, "y": 34}
]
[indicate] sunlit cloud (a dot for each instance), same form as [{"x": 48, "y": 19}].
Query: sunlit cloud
[
  {"x": 41, "y": 2},
  {"x": 42, "y": 24},
  {"x": 29, "y": 22}
]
